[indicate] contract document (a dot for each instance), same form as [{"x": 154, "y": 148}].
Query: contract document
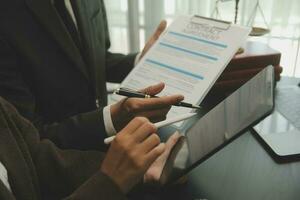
[{"x": 189, "y": 57}]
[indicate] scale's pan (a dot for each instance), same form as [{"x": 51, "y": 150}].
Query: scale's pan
[{"x": 258, "y": 31}]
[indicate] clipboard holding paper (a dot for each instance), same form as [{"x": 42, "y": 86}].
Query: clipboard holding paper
[{"x": 189, "y": 57}]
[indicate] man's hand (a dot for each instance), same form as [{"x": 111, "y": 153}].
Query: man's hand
[
  {"x": 154, "y": 172},
  {"x": 155, "y": 109},
  {"x": 160, "y": 29},
  {"x": 131, "y": 153}
]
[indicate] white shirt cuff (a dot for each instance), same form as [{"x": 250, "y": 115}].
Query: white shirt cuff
[
  {"x": 108, "y": 124},
  {"x": 137, "y": 59}
]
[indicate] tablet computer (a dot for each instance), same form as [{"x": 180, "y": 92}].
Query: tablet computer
[
  {"x": 280, "y": 135},
  {"x": 209, "y": 132}
]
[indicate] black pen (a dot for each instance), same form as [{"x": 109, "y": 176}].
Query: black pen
[{"x": 136, "y": 94}]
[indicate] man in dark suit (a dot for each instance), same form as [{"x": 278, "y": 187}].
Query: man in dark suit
[
  {"x": 32, "y": 169},
  {"x": 54, "y": 63}
]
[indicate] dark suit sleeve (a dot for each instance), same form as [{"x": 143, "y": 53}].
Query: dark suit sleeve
[
  {"x": 58, "y": 173},
  {"x": 71, "y": 173},
  {"x": 115, "y": 62},
  {"x": 83, "y": 131},
  {"x": 120, "y": 63}
]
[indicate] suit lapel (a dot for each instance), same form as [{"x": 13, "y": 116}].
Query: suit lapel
[
  {"x": 92, "y": 24},
  {"x": 85, "y": 11},
  {"x": 49, "y": 18}
]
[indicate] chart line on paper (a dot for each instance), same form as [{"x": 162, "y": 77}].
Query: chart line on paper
[
  {"x": 198, "y": 39},
  {"x": 174, "y": 69},
  {"x": 188, "y": 58},
  {"x": 188, "y": 51}
]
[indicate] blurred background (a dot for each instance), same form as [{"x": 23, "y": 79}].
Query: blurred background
[{"x": 133, "y": 21}]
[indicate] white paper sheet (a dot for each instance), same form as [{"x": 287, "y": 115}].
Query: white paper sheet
[{"x": 188, "y": 58}]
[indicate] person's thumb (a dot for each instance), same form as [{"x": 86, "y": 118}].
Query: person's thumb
[{"x": 160, "y": 29}]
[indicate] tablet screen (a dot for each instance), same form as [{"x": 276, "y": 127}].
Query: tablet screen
[
  {"x": 279, "y": 134},
  {"x": 209, "y": 133}
]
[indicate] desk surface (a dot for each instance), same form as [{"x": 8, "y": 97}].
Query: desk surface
[
  {"x": 245, "y": 170},
  {"x": 241, "y": 170}
]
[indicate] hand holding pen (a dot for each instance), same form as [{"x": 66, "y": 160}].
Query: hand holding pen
[
  {"x": 161, "y": 124},
  {"x": 154, "y": 109},
  {"x": 136, "y": 94}
]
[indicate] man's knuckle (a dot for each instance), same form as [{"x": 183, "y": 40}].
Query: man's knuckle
[
  {"x": 160, "y": 101},
  {"x": 132, "y": 155},
  {"x": 127, "y": 106},
  {"x": 136, "y": 106},
  {"x": 118, "y": 140},
  {"x": 121, "y": 143},
  {"x": 151, "y": 127},
  {"x": 123, "y": 147},
  {"x": 131, "y": 105},
  {"x": 160, "y": 149},
  {"x": 156, "y": 139},
  {"x": 138, "y": 163},
  {"x": 141, "y": 120},
  {"x": 156, "y": 152}
]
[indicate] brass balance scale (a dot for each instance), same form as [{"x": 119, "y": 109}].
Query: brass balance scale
[{"x": 256, "y": 31}]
